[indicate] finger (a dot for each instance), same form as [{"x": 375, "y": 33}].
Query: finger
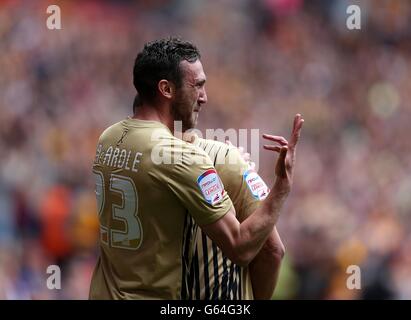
[
  {"x": 296, "y": 133},
  {"x": 298, "y": 124},
  {"x": 246, "y": 156},
  {"x": 279, "y": 139},
  {"x": 280, "y": 169},
  {"x": 297, "y": 117},
  {"x": 272, "y": 148}
]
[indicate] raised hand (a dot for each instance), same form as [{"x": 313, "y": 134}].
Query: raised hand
[{"x": 285, "y": 164}]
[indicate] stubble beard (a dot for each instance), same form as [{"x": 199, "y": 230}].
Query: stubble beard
[{"x": 184, "y": 113}]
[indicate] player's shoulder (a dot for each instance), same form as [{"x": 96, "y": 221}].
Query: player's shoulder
[
  {"x": 221, "y": 153},
  {"x": 110, "y": 130},
  {"x": 176, "y": 157},
  {"x": 210, "y": 143},
  {"x": 215, "y": 149},
  {"x": 191, "y": 153},
  {"x": 178, "y": 145}
]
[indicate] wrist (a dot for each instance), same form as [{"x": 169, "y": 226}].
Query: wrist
[{"x": 281, "y": 187}]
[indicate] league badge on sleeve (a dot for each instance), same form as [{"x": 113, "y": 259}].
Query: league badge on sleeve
[
  {"x": 256, "y": 185},
  {"x": 211, "y": 186}
]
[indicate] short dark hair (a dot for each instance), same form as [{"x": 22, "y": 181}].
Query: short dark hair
[{"x": 158, "y": 60}]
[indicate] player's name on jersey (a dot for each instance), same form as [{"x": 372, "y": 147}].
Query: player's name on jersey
[{"x": 118, "y": 158}]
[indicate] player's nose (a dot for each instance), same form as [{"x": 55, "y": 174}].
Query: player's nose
[{"x": 202, "y": 99}]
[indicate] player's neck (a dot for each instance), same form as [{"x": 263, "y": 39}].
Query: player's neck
[{"x": 151, "y": 113}]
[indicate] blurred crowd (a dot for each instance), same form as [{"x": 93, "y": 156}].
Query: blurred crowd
[{"x": 265, "y": 61}]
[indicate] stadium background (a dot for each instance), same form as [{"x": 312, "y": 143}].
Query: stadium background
[{"x": 265, "y": 60}]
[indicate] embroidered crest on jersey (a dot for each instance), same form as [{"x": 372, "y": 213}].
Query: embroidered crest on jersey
[
  {"x": 256, "y": 185},
  {"x": 211, "y": 186}
]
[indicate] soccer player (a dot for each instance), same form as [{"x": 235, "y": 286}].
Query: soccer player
[
  {"x": 212, "y": 275},
  {"x": 149, "y": 184}
]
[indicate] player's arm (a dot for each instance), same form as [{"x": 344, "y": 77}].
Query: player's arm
[
  {"x": 241, "y": 242},
  {"x": 265, "y": 267}
]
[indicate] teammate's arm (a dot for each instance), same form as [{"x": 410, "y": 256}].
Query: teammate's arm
[
  {"x": 265, "y": 267},
  {"x": 241, "y": 242}
]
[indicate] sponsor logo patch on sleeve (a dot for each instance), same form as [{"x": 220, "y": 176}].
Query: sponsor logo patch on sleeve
[
  {"x": 211, "y": 186},
  {"x": 256, "y": 185}
]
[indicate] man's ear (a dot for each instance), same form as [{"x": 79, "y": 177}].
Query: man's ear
[{"x": 166, "y": 88}]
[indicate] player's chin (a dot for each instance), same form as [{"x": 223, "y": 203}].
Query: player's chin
[
  {"x": 189, "y": 124},
  {"x": 195, "y": 119}
]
